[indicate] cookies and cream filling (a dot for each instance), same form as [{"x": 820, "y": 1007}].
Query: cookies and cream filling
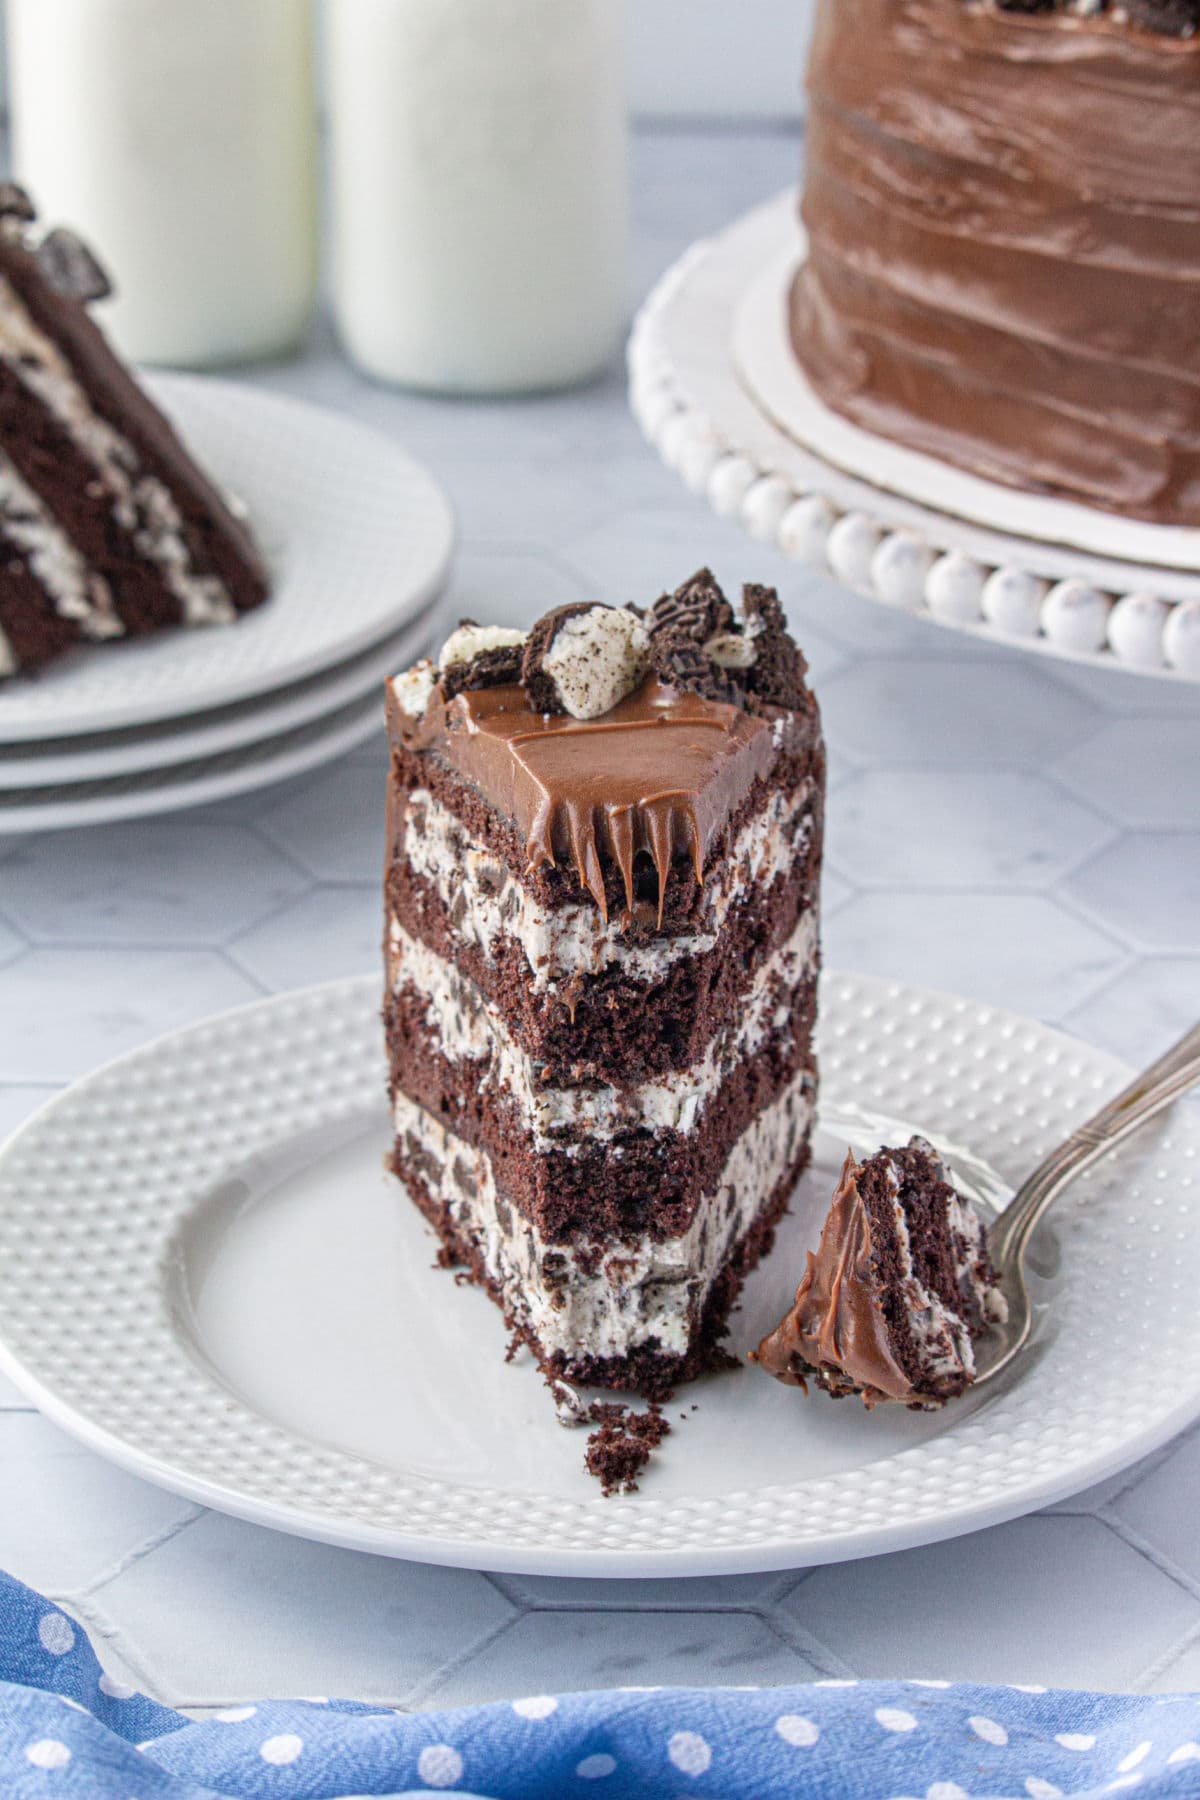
[
  {"x": 467, "y": 1027},
  {"x": 640, "y": 1292},
  {"x": 487, "y": 903},
  {"x": 61, "y": 570},
  {"x": 939, "y": 1334}
]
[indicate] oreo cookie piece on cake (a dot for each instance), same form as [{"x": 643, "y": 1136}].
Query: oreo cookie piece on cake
[
  {"x": 108, "y": 529},
  {"x": 897, "y": 1291},
  {"x": 602, "y": 956}
]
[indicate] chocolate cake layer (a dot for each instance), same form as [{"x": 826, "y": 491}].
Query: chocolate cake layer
[
  {"x": 107, "y": 526},
  {"x": 1003, "y": 215},
  {"x": 642, "y": 1015},
  {"x": 615, "y": 1175},
  {"x": 594, "y": 1310},
  {"x": 32, "y": 629}
]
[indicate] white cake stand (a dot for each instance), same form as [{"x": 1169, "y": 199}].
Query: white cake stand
[{"x": 717, "y": 390}]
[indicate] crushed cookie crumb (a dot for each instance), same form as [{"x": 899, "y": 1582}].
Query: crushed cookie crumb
[{"x": 623, "y": 1444}]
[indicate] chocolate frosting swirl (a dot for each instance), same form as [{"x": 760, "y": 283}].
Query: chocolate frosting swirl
[{"x": 1003, "y": 213}]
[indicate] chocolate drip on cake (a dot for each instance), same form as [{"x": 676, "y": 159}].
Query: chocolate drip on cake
[
  {"x": 653, "y": 777},
  {"x": 602, "y": 956},
  {"x": 108, "y": 529},
  {"x": 897, "y": 1291}
]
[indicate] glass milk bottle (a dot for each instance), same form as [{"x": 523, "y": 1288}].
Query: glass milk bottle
[
  {"x": 178, "y": 138},
  {"x": 479, "y": 189}
]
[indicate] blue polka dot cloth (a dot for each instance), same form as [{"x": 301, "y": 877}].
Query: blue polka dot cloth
[{"x": 69, "y": 1732}]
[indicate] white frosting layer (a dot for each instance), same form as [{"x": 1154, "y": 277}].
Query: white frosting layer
[
  {"x": 77, "y": 592},
  {"x": 142, "y": 504},
  {"x": 486, "y": 901},
  {"x": 469, "y": 1028},
  {"x": 641, "y": 1292}
]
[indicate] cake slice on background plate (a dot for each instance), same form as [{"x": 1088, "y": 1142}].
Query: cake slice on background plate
[
  {"x": 604, "y": 847},
  {"x": 897, "y": 1292},
  {"x": 108, "y": 529}
]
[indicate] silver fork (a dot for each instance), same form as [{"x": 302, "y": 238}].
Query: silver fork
[{"x": 1008, "y": 1238}]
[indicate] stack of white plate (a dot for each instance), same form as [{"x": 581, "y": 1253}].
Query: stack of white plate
[{"x": 359, "y": 540}]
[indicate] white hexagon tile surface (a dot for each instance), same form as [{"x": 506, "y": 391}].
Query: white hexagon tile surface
[{"x": 1019, "y": 832}]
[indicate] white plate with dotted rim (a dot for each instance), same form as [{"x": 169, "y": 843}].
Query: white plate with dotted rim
[
  {"x": 207, "y": 1276},
  {"x": 358, "y": 536}
]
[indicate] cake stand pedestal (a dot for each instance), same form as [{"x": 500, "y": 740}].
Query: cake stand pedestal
[{"x": 716, "y": 389}]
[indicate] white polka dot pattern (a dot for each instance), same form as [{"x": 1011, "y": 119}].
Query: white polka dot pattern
[
  {"x": 689, "y": 1752},
  {"x": 793, "y": 1728},
  {"x": 56, "y": 1633},
  {"x": 440, "y": 1765},
  {"x": 48, "y": 1753},
  {"x": 538, "y": 1706},
  {"x": 119, "y": 1163},
  {"x": 282, "y": 1749},
  {"x": 596, "y": 1768},
  {"x": 894, "y": 1718}
]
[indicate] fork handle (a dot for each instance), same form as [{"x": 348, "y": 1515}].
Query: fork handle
[{"x": 1151, "y": 1091}]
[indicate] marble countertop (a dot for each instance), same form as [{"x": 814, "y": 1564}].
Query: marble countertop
[{"x": 1015, "y": 829}]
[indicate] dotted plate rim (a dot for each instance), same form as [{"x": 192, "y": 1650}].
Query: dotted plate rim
[{"x": 197, "y": 1104}]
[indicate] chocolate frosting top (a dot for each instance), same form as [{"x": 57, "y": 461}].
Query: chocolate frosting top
[
  {"x": 662, "y": 772},
  {"x": 1003, "y": 212},
  {"x": 837, "y": 1320}
]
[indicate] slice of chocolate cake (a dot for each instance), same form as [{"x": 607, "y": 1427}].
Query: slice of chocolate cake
[
  {"x": 897, "y": 1291},
  {"x": 604, "y": 845},
  {"x": 107, "y": 527}
]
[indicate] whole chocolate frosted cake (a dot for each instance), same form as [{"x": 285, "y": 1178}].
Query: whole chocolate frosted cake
[
  {"x": 1003, "y": 218},
  {"x": 604, "y": 846}
]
